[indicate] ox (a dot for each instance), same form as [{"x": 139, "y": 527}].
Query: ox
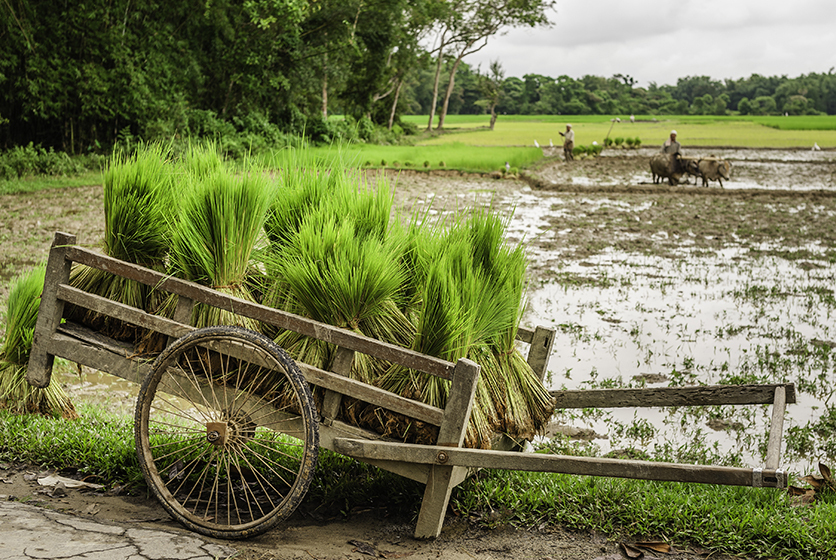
[
  {"x": 665, "y": 166},
  {"x": 714, "y": 169}
]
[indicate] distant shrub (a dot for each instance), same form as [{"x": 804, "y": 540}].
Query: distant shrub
[
  {"x": 26, "y": 161},
  {"x": 618, "y": 141},
  {"x": 426, "y": 163}
]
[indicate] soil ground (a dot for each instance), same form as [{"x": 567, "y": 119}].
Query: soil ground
[{"x": 713, "y": 215}]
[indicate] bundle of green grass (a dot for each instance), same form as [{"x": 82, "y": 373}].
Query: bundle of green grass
[
  {"x": 452, "y": 291},
  {"x": 16, "y": 395},
  {"x": 138, "y": 199},
  {"x": 325, "y": 244}
]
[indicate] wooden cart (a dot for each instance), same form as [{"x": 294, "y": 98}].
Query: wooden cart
[{"x": 227, "y": 432}]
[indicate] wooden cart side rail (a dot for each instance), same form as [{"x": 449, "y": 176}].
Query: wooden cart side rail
[
  {"x": 540, "y": 338},
  {"x": 672, "y": 396},
  {"x": 282, "y": 319},
  {"x": 315, "y": 376},
  {"x": 592, "y": 466}
]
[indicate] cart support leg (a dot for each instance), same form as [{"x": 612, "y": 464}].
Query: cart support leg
[
  {"x": 443, "y": 478},
  {"x": 50, "y": 312},
  {"x": 776, "y": 430},
  {"x": 540, "y": 350}
]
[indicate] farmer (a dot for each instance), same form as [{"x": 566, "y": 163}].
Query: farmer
[
  {"x": 672, "y": 147},
  {"x": 568, "y": 142}
]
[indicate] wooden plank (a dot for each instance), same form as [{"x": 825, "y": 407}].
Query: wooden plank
[
  {"x": 442, "y": 478},
  {"x": 341, "y": 365},
  {"x": 340, "y": 430},
  {"x": 671, "y": 396},
  {"x": 123, "y": 312},
  {"x": 373, "y": 395},
  {"x": 182, "y": 313},
  {"x": 776, "y": 430},
  {"x": 592, "y": 466},
  {"x": 314, "y": 376},
  {"x": 282, "y": 319},
  {"x": 540, "y": 350},
  {"x": 50, "y": 312},
  {"x": 98, "y": 357},
  {"x": 525, "y": 334}
]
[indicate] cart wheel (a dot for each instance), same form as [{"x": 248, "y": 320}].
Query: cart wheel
[{"x": 226, "y": 432}]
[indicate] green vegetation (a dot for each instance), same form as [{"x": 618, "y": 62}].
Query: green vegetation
[
  {"x": 753, "y": 132},
  {"x": 450, "y": 155},
  {"x": 15, "y": 392},
  {"x": 743, "y": 521},
  {"x": 731, "y": 520}
]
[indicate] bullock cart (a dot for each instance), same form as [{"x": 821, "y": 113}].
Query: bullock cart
[{"x": 227, "y": 429}]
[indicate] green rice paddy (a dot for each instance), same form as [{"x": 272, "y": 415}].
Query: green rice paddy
[{"x": 753, "y": 132}]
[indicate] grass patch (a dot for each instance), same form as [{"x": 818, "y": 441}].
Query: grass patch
[
  {"x": 453, "y": 155},
  {"x": 758, "y": 522},
  {"x": 46, "y": 182},
  {"x": 752, "y": 132},
  {"x": 98, "y": 443}
]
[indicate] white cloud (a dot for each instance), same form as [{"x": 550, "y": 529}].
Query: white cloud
[{"x": 660, "y": 41}]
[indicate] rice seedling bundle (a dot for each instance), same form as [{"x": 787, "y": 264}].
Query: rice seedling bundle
[
  {"x": 333, "y": 259},
  {"x": 471, "y": 303},
  {"x": 338, "y": 256},
  {"x": 215, "y": 237},
  {"x": 16, "y": 394},
  {"x": 138, "y": 200}
]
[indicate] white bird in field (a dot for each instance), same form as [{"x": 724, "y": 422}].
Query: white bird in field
[
  {"x": 536, "y": 144},
  {"x": 816, "y": 147},
  {"x": 550, "y": 143}
]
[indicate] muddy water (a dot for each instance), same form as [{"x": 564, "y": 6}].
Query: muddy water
[{"x": 663, "y": 290}]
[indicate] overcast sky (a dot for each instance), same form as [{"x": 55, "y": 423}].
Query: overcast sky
[{"x": 660, "y": 41}]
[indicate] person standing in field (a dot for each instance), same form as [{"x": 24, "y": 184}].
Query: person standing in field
[{"x": 568, "y": 142}]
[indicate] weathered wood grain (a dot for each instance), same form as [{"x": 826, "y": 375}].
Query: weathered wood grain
[
  {"x": 282, "y": 319},
  {"x": 671, "y": 396},
  {"x": 592, "y": 466},
  {"x": 50, "y": 312}
]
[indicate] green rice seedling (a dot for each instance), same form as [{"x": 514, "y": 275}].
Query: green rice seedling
[
  {"x": 202, "y": 159},
  {"x": 16, "y": 395},
  {"x": 331, "y": 260},
  {"x": 516, "y": 391},
  {"x": 214, "y": 240},
  {"x": 138, "y": 202},
  {"x": 470, "y": 302}
]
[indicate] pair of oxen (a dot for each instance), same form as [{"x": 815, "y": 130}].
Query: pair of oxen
[{"x": 674, "y": 167}]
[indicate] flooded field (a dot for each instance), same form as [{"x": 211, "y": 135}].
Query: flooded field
[{"x": 670, "y": 286}]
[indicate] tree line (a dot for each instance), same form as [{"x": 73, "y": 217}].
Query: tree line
[
  {"x": 80, "y": 74},
  {"x": 535, "y": 94},
  {"x": 85, "y": 75}
]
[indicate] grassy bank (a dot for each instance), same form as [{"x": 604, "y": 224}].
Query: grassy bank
[
  {"x": 752, "y": 132},
  {"x": 44, "y": 182},
  {"x": 451, "y": 155},
  {"x": 756, "y": 522}
]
